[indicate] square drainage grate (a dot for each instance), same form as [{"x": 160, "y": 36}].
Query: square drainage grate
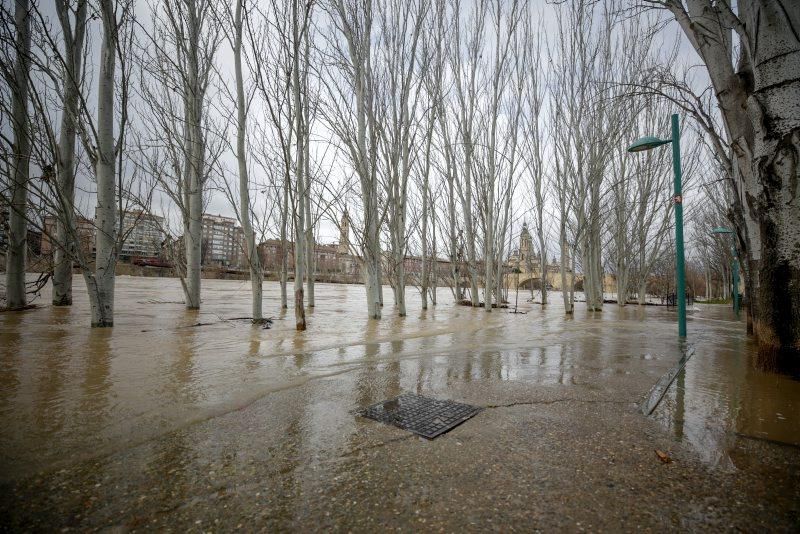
[{"x": 421, "y": 415}]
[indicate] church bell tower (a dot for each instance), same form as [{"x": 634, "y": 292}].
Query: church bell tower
[{"x": 344, "y": 234}]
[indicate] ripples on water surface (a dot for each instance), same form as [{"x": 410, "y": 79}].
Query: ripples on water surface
[{"x": 69, "y": 391}]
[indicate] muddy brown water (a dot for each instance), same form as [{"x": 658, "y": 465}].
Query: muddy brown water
[{"x": 70, "y": 393}]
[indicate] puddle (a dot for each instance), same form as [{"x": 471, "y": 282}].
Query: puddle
[{"x": 720, "y": 397}]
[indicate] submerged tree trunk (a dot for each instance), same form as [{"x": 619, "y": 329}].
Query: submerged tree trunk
[
  {"x": 642, "y": 292},
  {"x": 451, "y": 219},
  {"x": 434, "y": 265},
  {"x": 424, "y": 238},
  {"x": 101, "y": 283},
  {"x": 253, "y": 260},
  {"x": 468, "y": 226},
  {"x": 197, "y": 61},
  {"x": 542, "y": 259},
  {"x": 310, "y": 243},
  {"x": 66, "y": 233},
  {"x": 284, "y": 244},
  {"x": 310, "y": 252},
  {"x": 300, "y": 173},
  {"x": 424, "y": 281},
  {"x": 16, "y": 255},
  {"x": 565, "y": 292},
  {"x": 194, "y": 236},
  {"x": 372, "y": 257}
]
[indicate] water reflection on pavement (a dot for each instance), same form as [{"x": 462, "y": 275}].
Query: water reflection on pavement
[
  {"x": 167, "y": 389},
  {"x": 720, "y": 397}
]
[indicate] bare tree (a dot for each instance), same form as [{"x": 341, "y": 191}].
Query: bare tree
[
  {"x": 401, "y": 72},
  {"x": 352, "y": 85},
  {"x": 465, "y": 62},
  {"x": 535, "y": 138},
  {"x": 300, "y": 195},
  {"x": 180, "y": 62},
  {"x": 16, "y": 255},
  {"x": 73, "y": 30},
  {"x": 272, "y": 70},
  {"x": 233, "y": 23}
]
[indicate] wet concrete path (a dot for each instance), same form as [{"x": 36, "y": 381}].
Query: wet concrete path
[{"x": 158, "y": 423}]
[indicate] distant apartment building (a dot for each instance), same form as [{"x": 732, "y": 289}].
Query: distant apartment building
[
  {"x": 223, "y": 240},
  {"x": 143, "y": 235},
  {"x": 141, "y": 232},
  {"x": 84, "y": 229}
]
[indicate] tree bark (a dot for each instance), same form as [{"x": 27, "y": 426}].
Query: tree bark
[
  {"x": 66, "y": 234},
  {"x": 16, "y": 256},
  {"x": 425, "y": 207},
  {"x": 195, "y": 149},
  {"x": 284, "y": 244},
  {"x": 310, "y": 243},
  {"x": 101, "y": 283},
  {"x": 253, "y": 260},
  {"x": 299, "y": 192},
  {"x": 565, "y": 293}
]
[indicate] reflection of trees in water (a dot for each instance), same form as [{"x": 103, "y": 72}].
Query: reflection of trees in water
[
  {"x": 367, "y": 380},
  {"x": 10, "y": 360},
  {"x": 51, "y": 373},
  {"x": 377, "y": 380},
  {"x": 298, "y": 346},
  {"x": 491, "y": 365},
  {"x": 96, "y": 385},
  {"x": 179, "y": 381},
  {"x": 252, "y": 361},
  {"x": 394, "y": 369}
]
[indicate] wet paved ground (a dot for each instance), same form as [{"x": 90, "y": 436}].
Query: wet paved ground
[{"x": 158, "y": 424}]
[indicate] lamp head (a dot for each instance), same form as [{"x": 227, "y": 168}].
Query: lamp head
[{"x": 647, "y": 143}]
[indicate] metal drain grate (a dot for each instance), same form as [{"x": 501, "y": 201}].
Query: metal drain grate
[{"x": 420, "y": 415}]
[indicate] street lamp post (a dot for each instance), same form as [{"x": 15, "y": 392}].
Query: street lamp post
[
  {"x": 734, "y": 267},
  {"x": 648, "y": 143}
]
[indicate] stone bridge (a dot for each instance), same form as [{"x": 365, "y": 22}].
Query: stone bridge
[{"x": 532, "y": 279}]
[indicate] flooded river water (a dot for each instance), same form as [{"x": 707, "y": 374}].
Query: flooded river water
[{"x": 70, "y": 393}]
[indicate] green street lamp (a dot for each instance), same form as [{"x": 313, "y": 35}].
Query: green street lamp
[
  {"x": 734, "y": 268},
  {"x": 649, "y": 143}
]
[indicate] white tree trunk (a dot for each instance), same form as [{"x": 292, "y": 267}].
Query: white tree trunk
[
  {"x": 284, "y": 244},
  {"x": 66, "y": 233},
  {"x": 16, "y": 256},
  {"x": 433, "y": 269},
  {"x": 566, "y": 291},
  {"x": 193, "y": 237},
  {"x": 195, "y": 42},
  {"x": 425, "y": 207},
  {"x": 311, "y": 254},
  {"x": 299, "y": 191},
  {"x": 542, "y": 255},
  {"x": 101, "y": 283},
  {"x": 253, "y": 260},
  {"x": 643, "y": 292}
]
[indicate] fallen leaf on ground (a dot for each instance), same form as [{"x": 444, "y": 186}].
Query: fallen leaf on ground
[{"x": 663, "y": 456}]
